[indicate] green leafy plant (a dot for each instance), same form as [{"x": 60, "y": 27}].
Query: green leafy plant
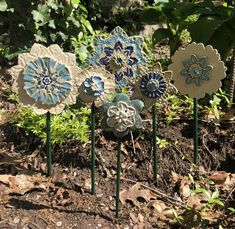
[
  {"x": 212, "y": 199},
  {"x": 175, "y": 17},
  {"x": 69, "y": 125},
  {"x": 61, "y": 22}
]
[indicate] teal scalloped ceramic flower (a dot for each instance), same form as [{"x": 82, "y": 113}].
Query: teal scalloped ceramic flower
[
  {"x": 120, "y": 55},
  {"x": 122, "y": 115}
]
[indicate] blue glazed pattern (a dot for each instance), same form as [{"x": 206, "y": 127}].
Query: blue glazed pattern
[
  {"x": 94, "y": 86},
  {"x": 153, "y": 85},
  {"x": 119, "y": 54},
  {"x": 196, "y": 69},
  {"x": 47, "y": 81}
]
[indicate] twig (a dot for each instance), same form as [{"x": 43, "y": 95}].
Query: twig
[
  {"x": 233, "y": 189},
  {"x": 169, "y": 198},
  {"x": 133, "y": 143},
  {"x": 203, "y": 141}
]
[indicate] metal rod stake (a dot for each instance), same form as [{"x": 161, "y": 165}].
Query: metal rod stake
[
  {"x": 195, "y": 117},
  {"x": 48, "y": 143},
  {"x": 154, "y": 136},
  {"x": 118, "y": 176},
  {"x": 93, "y": 156}
]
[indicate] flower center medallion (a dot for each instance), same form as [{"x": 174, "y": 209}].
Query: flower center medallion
[
  {"x": 152, "y": 85},
  {"x": 118, "y": 61},
  {"x": 47, "y": 81},
  {"x": 196, "y": 70}
]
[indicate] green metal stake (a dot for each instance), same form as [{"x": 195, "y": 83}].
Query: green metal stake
[
  {"x": 118, "y": 176},
  {"x": 195, "y": 116},
  {"x": 155, "y": 158},
  {"x": 93, "y": 148},
  {"x": 48, "y": 143}
]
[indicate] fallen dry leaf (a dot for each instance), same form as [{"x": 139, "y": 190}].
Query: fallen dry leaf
[
  {"x": 20, "y": 184},
  {"x": 197, "y": 201},
  {"x": 219, "y": 177},
  {"x": 133, "y": 193}
]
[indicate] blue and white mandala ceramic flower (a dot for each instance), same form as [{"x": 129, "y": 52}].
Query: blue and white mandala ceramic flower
[
  {"x": 197, "y": 70},
  {"x": 96, "y": 85},
  {"x": 44, "y": 79},
  {"x": 152, "y": 85},
  {"x": 120, "y": 55}
]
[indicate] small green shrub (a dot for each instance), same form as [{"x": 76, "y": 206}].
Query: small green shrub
[{"x": 70, "y": 124}]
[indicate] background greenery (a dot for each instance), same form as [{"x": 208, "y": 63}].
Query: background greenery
[{"x": 73, "y": 24}]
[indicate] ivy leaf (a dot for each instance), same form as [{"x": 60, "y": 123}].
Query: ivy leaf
[
  {"x": 3, "y": 5},
  {"x": 52, "y": 24}
]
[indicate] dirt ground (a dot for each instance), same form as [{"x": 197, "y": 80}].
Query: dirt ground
[{"x": 29, "y": 199}]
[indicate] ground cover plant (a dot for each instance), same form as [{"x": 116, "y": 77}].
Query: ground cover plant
[{"x": 180, "y": 195}]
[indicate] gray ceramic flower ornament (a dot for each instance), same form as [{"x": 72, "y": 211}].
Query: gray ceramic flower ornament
[
  {"x": 197, "y": 70},
  {"x": 119, "y": 54},
  {"x": 152, "y": 85},
  {"x": 44, "y": 79},
  {"x": 122, "y": 115},
  {"x": 96, "y": 85}
]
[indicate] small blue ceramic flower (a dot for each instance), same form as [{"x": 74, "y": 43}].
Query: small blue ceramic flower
[
  {"x": 47, "y": 81},
  {"x": 120, "y": 55},
  {"x": 196, "y": 69},
  {"x": 94, "y": 86},
  {"x": 153, "y": 85},
  {"x": 122, "y": 115}
]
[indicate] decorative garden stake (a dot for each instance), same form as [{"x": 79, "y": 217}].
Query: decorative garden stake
[
  {"x": 197, "y": 70},
  {"x": 44, "y": 81},
  {"x": 151, "y": 87},
  {"x": 119, "y": 54},
  {"x": 120, "y": 116},
  {"x": 96, "y": 85}
]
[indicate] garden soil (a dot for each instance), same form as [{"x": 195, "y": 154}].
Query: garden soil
[{"x": 29, "y": 199}]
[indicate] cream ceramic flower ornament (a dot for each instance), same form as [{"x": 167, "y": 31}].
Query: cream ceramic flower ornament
[
  {"x": 96, "y": 85},
  {"x": 122, "y": 115},
  {"x": 152, "y": 85},
  {"x": 197, "y": 70},
  {"x": 44, "y": 79}
]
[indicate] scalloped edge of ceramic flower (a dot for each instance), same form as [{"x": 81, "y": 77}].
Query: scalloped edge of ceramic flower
[
  {"x": 56, "y": 53},
  {"x": 109, "y": 85},
  {"x": 137, "y": 94},
  {"x": 217, "y": 73}
]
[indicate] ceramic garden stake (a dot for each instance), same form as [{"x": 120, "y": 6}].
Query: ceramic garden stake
[
  {"x": 120, "y": 116},
  {"x": 44, "y": 81},
  {"x": 120, "y": 55},
  {"x": 197, "y": 70},
  {"x": 151, "y": 86},
  {"x": 95, "y": 87}
]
